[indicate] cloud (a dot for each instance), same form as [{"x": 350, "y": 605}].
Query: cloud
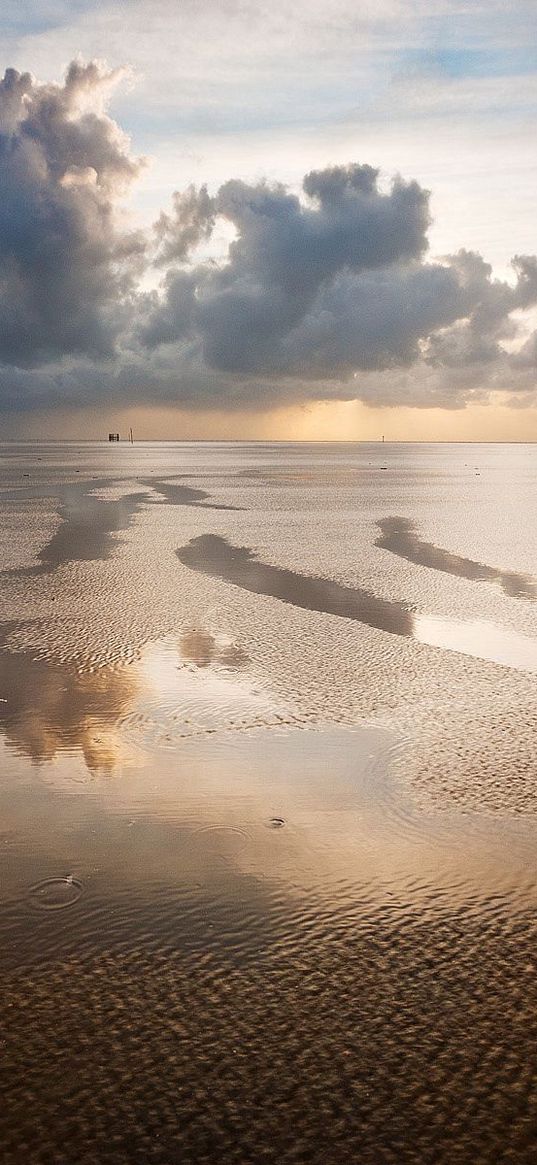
[
  {"x": 332, "y": 284},
  {"x": 66, "y": 269},
  {"x": 286, "y": 254},
  {"x": 325, "y": 292},
  {"x": 192, "y": 220}
]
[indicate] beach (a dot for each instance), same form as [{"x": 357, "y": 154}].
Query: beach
[{"x": 267, "y": 738}]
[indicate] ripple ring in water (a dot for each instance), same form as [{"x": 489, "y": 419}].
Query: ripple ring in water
[{"x": 56, "y": 893}]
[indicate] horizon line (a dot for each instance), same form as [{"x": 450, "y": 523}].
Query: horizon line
[{"x": 257, "y": 441}]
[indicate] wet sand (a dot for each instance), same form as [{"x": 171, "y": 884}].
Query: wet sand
[
  {"x": 268, "y": 856},
  {"x": 393, "y": 1047}
]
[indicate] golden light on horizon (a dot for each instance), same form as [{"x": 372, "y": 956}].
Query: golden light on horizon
[{"x": 315, "y": 421}]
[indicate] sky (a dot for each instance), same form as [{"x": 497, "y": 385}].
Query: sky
[{"x": 254, "y": 220}]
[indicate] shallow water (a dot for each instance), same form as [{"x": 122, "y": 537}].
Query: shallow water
[{"x": 267, "y": 803}]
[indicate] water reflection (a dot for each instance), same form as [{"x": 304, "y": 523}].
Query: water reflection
[
  {"x": 233, "y": 844},
  {"x": 48, "y": 707},
  {"x": 205, "y": 803},
  {"x": 244, "y": 903},
  {"x": 195, "y": 686},
  {"x": 87, "y": 529},
  {"x": 479, "y": 639},
  {"x": 214, "y": 556},
  {"x": 201, "y": 648},
  {"x": 399, "y": 536},
  {"x": 89, "y": 524},
  {"x": 174, "y": 493}
]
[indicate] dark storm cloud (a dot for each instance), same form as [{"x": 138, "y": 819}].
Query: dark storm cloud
[
  {"x": 330, "y": 284},
  {"x": 65, "y": 270},
  {"x": 286, "y": 253},
  {"x": 489, "y": 304},
  {"x": 323, "y": 293}
]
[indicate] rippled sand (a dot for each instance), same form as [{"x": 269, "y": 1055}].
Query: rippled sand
[{"x": 267, "y": 836}]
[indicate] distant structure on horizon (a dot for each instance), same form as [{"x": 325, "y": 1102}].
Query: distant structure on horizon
[{"x": 113, "y": 436}]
